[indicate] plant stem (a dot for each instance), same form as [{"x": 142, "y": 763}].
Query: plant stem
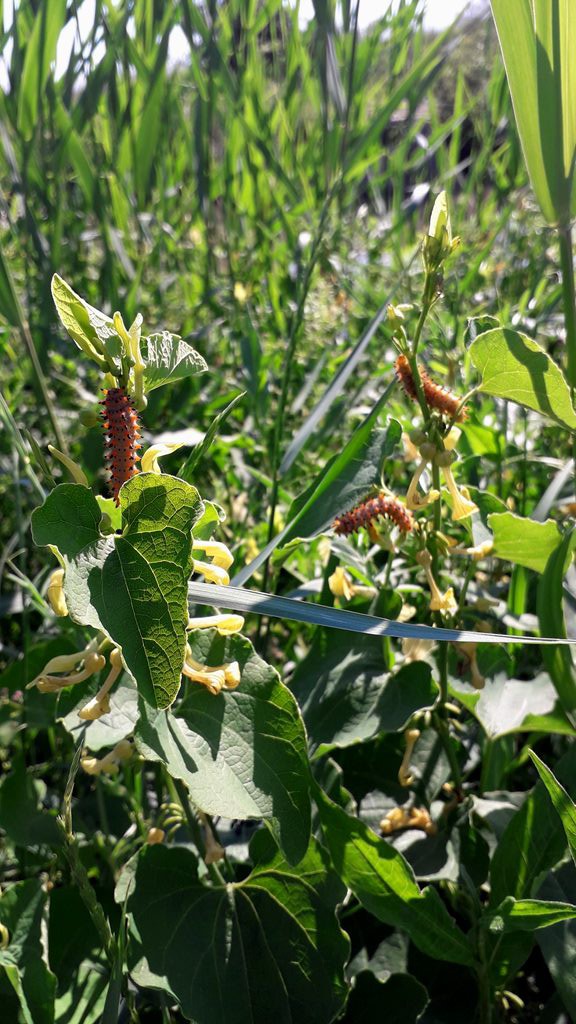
[
  {"x": 569, "y": 300},
  {"x": 77, "y": 869}
]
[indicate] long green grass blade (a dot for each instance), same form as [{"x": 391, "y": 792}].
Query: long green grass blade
[{"x": 253, "y": 602}]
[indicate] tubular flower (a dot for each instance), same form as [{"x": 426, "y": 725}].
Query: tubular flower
[
  {"x": 226, "y": 625},
  {"x": 439, "y": 602},
  {"x": 414, "y": 501},
  {"x": 149, "y": 461},
  {"x": 342, "y": 585},
  {"x": 462, "y": 506},
  {"x": 93, "y": 663},
  {"x": 55, "y": 593},
  {"x": 469, "y": 651},
  {"x": 108, "y": 765},
  {"x": 64, "y": 663},
  {"x": 100, "y": 704},
  {"x": 405, "y": 777},
  {"x": 477, "y": 553},
  {"x": 221, "y": 677},
  {"x": 4, "y": 937},
  {"x": 400, "y": 818},
  {"x": 414, "y": 649},
  {"x": 214, "y": 571}
]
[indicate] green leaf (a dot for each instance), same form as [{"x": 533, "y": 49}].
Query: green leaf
[
  {"x": 40, "y": 54},
  {"x": 21, "y": 909},
  {"x": 515, "y": 705},
  {"x": 346, "y": 694},
  {"x": 401, "y": 999},
  {"x": 87, "y": 326},
  {"x": 524, "y": 541},
  {"x": 562, "y": 802},
  {"x": 169, "y": 358},
  {"x": 241, "y": 754},
  {"x": 384, "y": 883},
  {"x": 527, "y": 915},
  {"x": 549, "y": 603},
  {"x": 558, "y": 943},
  {"x": 267, "y": 948},
  {"x": 538, "y": 40},
  {"x": 133, "y": 586},
  {"x": 69, "y": 520},
  {"x": 83, "y": 1002},
  {"x": 515, "y": 368},
  {"x": 532, "y": 843},
  {"x": 345, "y": 479}
]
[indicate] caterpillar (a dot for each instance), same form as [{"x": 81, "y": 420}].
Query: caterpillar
[
  {"x": 122, "y": 437},
  {"x": 365, "y": 513},
  {"x": 436, "y": 397}
]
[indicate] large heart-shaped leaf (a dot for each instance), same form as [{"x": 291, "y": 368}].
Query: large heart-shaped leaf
[
  {"x": 241, "y": 754},
  {"x": 516, "y": 368},
  {"x": 524, "y": 541},
  {"x": 265, "y": 949},
  {"x": 132, "y": 586}
]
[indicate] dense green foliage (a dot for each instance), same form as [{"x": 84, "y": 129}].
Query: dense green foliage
[{"x": 332, "y": 811}]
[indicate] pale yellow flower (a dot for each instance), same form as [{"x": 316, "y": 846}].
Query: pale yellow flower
[
  {"x": 215, "y": 679},
  {"x": 415, "y": 649},
  {"x": 225, "y": 624},
  {"x": 405, "y": 777},
  {"x": 108, "y": 765},
  {"x": 93, "y": 663},
  {"x": 462, "y": 506},
  {"x": 222, "y": 558},
  {"x": 342, "y": 585},
  {"x": 55, "y": 593},
  {"x": 100, "y": 704},
  {"x": 149, "y": 462},
  {"x": 400, "y": 818},
  {"x": 439, "y": 602}
]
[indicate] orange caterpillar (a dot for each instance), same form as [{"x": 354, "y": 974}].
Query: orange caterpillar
[
  {"x": 373, "y": 508},
  {"x": 122, "y": 437},
  {"x": 437, "y": 397}
]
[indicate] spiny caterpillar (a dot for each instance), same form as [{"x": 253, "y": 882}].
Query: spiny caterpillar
[
  {"x": 436, "y": 397},
  {"x": 122, "y": 436},
  {"x": 369, "y": 510}
]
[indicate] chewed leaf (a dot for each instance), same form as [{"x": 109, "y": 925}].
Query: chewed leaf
[
  {"x": 87, "y": 326},
  {"x": 168, "y": 357}
]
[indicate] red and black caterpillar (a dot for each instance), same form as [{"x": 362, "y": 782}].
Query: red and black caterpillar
[
  {"x": 371, "y": 509},
  {"x": 436, "y": 397},
  {"x": 122, "y": 437}
]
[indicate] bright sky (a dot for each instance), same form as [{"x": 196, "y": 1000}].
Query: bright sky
[{"x": 439, "y": 14}]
